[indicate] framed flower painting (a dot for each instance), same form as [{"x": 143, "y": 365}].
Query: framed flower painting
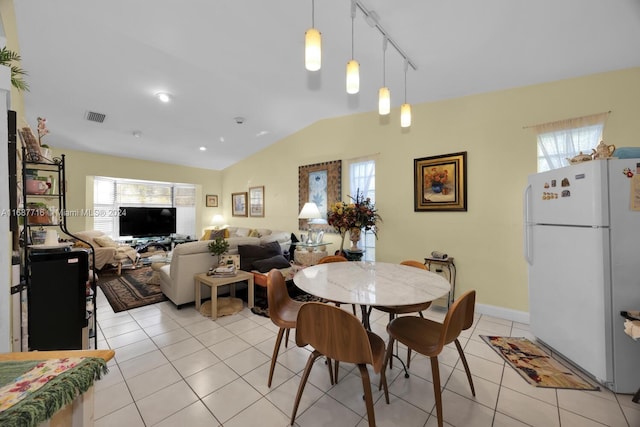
[{"x": 440, "y": 183}]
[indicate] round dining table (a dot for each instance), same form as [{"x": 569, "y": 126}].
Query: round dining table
[{"x": 371, "y": 283}]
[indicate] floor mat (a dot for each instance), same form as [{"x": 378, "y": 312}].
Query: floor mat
[
  {"x": 534, "y": 365},
  {"x": 130, "y": 290}
]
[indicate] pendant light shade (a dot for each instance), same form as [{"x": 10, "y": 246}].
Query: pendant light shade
[
  {"x": 313, "y": 44},
  {"x": 353, "y": 77},
  {"x": 312, "y": 49},
  {"x": 384, "y": 101},
  {"x": 405, "y": 115}
]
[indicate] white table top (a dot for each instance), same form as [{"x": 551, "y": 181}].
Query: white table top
[{"x": 372, "y": 283}]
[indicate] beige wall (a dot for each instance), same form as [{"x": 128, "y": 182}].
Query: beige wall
[
  {"x": 486, "y": 241},
  {"x": 82, "y": 166}
]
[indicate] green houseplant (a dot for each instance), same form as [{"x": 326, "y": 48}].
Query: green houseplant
[
  {"x": 7, "y": 58},
  {"x": 218, "y": 246}
]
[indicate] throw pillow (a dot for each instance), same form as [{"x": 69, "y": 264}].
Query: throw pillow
[
  {"x": 226, "y": 233},
  {"x": 206, "y": 235},
  {"x": 254, "y": 233},
  {"x": 250, "y": 253},
  {"x": 292, "y": 248},
  {"x": 105, "y": 242},
  {"x": 216, "y": 234},
  {"x": 265, "y": 265}
]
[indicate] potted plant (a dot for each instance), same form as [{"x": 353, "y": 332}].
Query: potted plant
[
  {"x": 218, "y": 247},
  {"x": 7, "y": 57}
]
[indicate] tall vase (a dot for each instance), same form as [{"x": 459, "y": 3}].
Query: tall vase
[{"x": 354, "y": 236}]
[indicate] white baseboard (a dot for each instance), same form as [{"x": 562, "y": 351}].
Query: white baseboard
[{"x": 503, "y": 313}]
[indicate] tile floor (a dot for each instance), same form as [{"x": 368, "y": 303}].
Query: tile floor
[{"x": 178, "y": 368}]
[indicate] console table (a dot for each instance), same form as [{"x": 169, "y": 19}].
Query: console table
[{"x": 451, "y": 269}]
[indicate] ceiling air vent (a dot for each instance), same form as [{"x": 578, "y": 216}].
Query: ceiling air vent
[{"x": 95, "y": 117}]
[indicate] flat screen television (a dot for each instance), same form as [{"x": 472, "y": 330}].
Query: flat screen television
[{"x": 147, "y": 221}]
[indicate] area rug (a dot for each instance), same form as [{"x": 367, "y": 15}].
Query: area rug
[
  {"x": 131, "y": 289},
  {"x": 534, "y": 365}
]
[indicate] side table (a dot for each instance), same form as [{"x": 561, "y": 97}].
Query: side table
[
  {"x": 451, "y": 269},
  {"x": 215, "y": 281}
]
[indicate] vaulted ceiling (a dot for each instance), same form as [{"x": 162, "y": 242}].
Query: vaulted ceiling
[{"x": 244, "y": 58}]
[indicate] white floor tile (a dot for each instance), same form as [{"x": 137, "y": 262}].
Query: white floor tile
[{"x": 175, "y": 368}]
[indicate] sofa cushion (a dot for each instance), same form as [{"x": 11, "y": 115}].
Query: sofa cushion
[
  {"x": 267, "y": 264},
  {"x": 251, "y": 253}
]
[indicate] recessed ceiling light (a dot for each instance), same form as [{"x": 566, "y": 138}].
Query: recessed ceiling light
[
  {"x": 163, "y": 96},
  {"x": 222, "y": 139},
  {"x": 203, "y": 148}
]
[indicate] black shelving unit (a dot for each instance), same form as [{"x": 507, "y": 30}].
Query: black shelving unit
[{"x": 61, "y": 307}]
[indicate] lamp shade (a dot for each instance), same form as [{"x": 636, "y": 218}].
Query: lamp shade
[
  {"x": 405, "y": 115},
  {"x": 384, "y": 101},
  {"x": 353, "y": 77},
  {"x": 217, "y": 220},
  {"x": 312, "y": 49},
  {"x": 309, "y": 211}
]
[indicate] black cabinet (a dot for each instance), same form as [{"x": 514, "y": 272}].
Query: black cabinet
[{"x": 57, "y": 300}]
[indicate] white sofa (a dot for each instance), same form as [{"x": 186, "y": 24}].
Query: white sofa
[{"x": 189, "y": 259}]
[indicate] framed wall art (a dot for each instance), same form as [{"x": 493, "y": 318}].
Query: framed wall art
[
  {"x": 440, "y": 183},
  {"x": 211, "y": 200},
  {"x": 256, "y": 201},
  {"x": 320, "y": 183},
  {"x": 239, "y": 204}
]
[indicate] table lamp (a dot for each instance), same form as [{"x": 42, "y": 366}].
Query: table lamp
[
  {"x": 217, "y": 221},
  {"x": 309, "y": 212}
]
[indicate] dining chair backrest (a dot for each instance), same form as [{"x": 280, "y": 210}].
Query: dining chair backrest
[
  {"x": 277, "y": 294},
  {"x": 336, "y": 333},
  {"x": 414, "y": 263},
  {"x": 457, "y": 318},
  {"x": 332, "y": 258}
]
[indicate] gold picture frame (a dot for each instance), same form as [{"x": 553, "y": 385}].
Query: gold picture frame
[
  {"x": 320, "y": 183},
  {"x": 440, "y": 183},
  {"x": 211, "y": 200},
  {"x": 239, "y": 204},
  {"x": 256, "y": 201}
]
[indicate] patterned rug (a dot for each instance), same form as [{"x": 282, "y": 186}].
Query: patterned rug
[
  {"x": 261, "y": 307},
  {"x": 131, "y": 289},
  {"x": 534, "y": 365}
]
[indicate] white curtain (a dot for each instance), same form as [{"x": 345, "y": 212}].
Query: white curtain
[{"x": 564, "y": 139}]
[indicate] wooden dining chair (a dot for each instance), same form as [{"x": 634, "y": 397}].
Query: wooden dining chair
[
  {"x": 336, "y": 258},
  {"x": 395, "y": 310},
  {"x": 429, "y": 338},
  {"x": 283, "y": 312},
  {"x": 340, "y": 336}
]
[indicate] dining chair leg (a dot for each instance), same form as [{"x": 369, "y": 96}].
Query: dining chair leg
[
  {"x": 368, "y": 397},
  {"x": 387, "y": 358},
  {"x": 466, "y": 366},
  {"x": 286, "y": 339},
  {"x": 274, "y": 357},
  {"x": 305, "y": 376},
  {"x": 331, "y": 371},
  {"x": 335, "y": 368},
  {"x": 435, "y": 375}
]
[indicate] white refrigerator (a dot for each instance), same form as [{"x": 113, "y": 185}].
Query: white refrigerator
[{"x": 582, "y": 244}]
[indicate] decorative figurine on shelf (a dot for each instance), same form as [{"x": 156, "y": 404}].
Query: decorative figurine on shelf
[{"x": 603, "y": 151}]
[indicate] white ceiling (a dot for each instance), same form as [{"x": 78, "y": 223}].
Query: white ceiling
[{"x": 223, "y": 59}]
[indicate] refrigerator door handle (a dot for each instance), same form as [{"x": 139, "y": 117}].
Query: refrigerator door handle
[{"x": 528, "y": 244}]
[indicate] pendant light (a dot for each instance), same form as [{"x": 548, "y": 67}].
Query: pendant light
[
  {"x": 353, "y": 68},
  {"x": 384, "y": 96},
  {"x": 312, "y": 44},
  {"x": 405, "y": 109}
]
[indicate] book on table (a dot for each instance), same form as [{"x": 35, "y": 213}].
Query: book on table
[{"x": 224, "y": 271}]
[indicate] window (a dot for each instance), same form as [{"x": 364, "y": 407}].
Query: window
[
  {"x": 109, "y": 194},
  {"x": 362, "y": 177},
  {"x": 562, "y": 140}
]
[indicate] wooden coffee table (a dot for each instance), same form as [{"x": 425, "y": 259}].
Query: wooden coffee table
[{"x": 214, "y": 281}]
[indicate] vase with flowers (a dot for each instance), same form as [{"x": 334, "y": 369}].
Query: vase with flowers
[
  {"x": 360, "y": 214},
  {"x": 437, "y": 179}
]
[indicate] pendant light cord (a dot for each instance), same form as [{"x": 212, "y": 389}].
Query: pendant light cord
[
  {"x": 384, "y": 62},
  {"x": 353, "y": 18},
  {"x": 313, "y": 13}
]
